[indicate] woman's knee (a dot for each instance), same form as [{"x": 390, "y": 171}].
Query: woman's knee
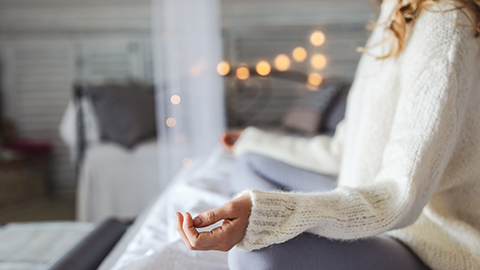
[
  {"x": 250, "y": 160},
  {"x": 253, "y": 260}
]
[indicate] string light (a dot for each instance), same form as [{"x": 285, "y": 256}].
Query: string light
[
  {"x": 242, "y": 72},
  {"x": 318, "y": 61},
  {"x": 299, "y": 54},
  {"x": 282, "y": 62},
  {"x": 186, "y": 162},
  {"x": 317, "y": 38},
  {"x": 175, "y": 99},
  {"x": 223, "y": 68},
  {"x": 314, "y": 79},
  {"x": 263, "y": 68},
  {"x": 171, "y": 122}
]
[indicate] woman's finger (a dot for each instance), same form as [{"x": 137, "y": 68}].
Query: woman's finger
[
  {"x": 190, "y": 232},
  {"x": 179, "y": 218},
  {"x": 213, "y": 216},
  {"x": 223, "y": 141}
]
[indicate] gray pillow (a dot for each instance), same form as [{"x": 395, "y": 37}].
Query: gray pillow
[
  {"x": 335, "y": 111},
  {"x": 125, "y": 113},
  {"x": 308, "y": 114}
]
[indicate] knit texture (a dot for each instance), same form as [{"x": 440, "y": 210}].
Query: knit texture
[{"x": 407, "y": 154}]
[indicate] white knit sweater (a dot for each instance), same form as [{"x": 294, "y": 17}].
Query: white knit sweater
[{"x": 407, "y": 154}]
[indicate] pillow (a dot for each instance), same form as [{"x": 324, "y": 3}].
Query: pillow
[
  {"x": 306, "y": 116},
  {"x": 125, "y": 113},
  {"x": 336, "y": 111}
]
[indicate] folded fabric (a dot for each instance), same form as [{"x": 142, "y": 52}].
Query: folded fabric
[{"x": 90, "y": 252}]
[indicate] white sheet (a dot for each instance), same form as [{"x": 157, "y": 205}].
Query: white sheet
[
  {"x": 115, "y": 181},
  {"x": 157, "y": 244}
]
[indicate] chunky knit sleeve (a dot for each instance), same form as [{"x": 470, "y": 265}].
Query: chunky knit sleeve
[
  {"x": 319, "y": 154},
  {"x": 422, "y": 139}
]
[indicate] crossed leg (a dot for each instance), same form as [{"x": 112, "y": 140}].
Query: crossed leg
[{"x": 308, "y": 251}]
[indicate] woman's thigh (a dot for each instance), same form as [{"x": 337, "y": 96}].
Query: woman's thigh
[
  {"x": 264, "y": 173},
  {"x": 308, "y": 251}
]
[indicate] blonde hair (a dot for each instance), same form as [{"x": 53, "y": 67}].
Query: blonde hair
[{"x": 406, "y": 13}]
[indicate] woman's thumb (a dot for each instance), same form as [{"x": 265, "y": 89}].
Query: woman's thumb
[{"x": 210, "y": 217}]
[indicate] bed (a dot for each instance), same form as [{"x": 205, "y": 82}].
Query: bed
[
  {"x": 115, "y": 177},
  {"x": 153, "y": 242}
]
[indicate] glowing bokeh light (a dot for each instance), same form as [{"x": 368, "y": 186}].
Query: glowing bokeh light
[
  {"x": 242, "y": 72},
  {"x": 171, "y": 122},
  {"x": 223, "y": 68},
  {"x": 315, "y": 79},
  {"x": 299, "y": 54},
  {"x": 282, "y": 62},
  {"x": 318, "y": 61},
  {"x": 186, "y": 162},
  {"x": 175, "y": 99},
  {"x": 263, "y": 68},
  {"x": 317, "y": 38}
]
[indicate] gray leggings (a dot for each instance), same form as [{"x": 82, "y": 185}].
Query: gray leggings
[{"x": 308, "y": 251}]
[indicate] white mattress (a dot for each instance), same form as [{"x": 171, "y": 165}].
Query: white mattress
[{"x": 154, "y": 242}]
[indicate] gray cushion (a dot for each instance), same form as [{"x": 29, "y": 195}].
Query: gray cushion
[
  {"x": 336, "y": 111},
  {"x": 125, "y": 113},
  {"x": 309, "y": 114}
]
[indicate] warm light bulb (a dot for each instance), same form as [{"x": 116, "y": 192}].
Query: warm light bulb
[
  {"x": 282, "y": 62},
  {"x": 263, "y": 68},
  {"x": 186, "y": 162},
  {"x": 171, "y": 122},
  {"x": 223, "y": 68},
  {"x": 318, "y": 61},
  {"x": 175, "y": 99},
  {"x": 317, "y": 38},
  {"x": 243, "y": 73},
  {"x": 299, "y": 54},
  {"x": 315, "y": 79}
]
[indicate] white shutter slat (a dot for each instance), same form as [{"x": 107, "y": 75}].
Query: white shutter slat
[{"x": 41, "y": 74}]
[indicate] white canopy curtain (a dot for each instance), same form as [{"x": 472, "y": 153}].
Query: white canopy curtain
[{"x": 190, "y": 93}]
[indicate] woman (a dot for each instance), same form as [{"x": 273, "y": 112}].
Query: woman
[{"x": 406, "y": 158}]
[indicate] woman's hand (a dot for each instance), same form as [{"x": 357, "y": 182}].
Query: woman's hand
[
  {"x": 235, "y": 216},
  {"x": 228, "y": 139}
]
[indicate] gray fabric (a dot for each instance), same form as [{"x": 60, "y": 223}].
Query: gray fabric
[
  {"x": 336, "y": 112},
  {"x": 311, "y": 113},
  {"x": 89, "y": 253},
  {"x": 126, "y": 113},
  {"x": 262, "y": 173},
  {"x": 308, "y": 251},
  {"x": 320, "y": 100}
]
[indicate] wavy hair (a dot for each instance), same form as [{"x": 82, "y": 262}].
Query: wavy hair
[{"x": 406, "y": 13}]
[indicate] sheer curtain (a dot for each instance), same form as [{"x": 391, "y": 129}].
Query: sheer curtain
[{"x": 190, "y": 94}]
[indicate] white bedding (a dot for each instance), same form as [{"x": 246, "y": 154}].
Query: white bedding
[
  {"x": 118, "y": 182},
  {"x": 155, "y": 243}
]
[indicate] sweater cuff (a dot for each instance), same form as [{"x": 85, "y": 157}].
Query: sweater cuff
[{"x": 269, "y": 210}]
